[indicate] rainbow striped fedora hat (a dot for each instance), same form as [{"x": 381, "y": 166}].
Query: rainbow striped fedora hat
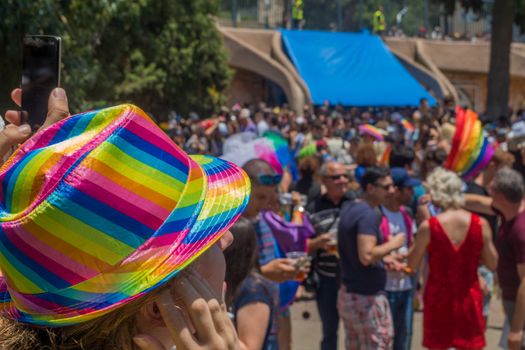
[{"x": 101, "y": 208}]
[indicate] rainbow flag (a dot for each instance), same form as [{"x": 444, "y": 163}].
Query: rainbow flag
[
  {"x": 470, "y": 151},
  {"x": 370, "y": 130},
  {"x": 407, "y": 125},
  {"x": 308, "y": 150},
  {"x": 282, "y": 149},
  {"x": 385, "y": 158}
]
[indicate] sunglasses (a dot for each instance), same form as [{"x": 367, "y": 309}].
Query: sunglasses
[
  {"x": 385, "y": 187},
  {"x": 337, "y": 176},
  {"x": 269, "y": 180}
]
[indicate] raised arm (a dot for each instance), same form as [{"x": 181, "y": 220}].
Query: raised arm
[
  {"x": 252, "y": 321},
  {"x": 489, "y": 255},
  {"x": 479, "y": 204},
  {"x": 417, "y": 251},
  {"x": 370, "y": 253}
]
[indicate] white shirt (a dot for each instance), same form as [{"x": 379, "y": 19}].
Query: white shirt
[
  {"x": 397, "y": 281},
  {"x": 262, "y": 126}
]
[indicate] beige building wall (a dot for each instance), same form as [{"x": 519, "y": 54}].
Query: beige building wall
[
  {"x": 246, "y": 87},
  {"x": 517, "y": 97},
  {"x": 471, "y": 88},
  {"x": 474, "y": 86}
]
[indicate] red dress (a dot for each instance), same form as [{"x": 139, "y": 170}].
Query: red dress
[{"x": 452, "y": 315}]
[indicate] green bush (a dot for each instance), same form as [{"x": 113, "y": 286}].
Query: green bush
[{"x": 159, "y": 54}]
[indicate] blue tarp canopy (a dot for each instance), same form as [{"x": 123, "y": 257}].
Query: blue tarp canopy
[{"x": 351, "y": 69}]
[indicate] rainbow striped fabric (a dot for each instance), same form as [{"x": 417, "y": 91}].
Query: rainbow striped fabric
[
  {"x": 407, "y": 125},
  {"x": 470, "y": 151},
  {"x": 370, "y": 130},
  {"x": 101, "y": 208}
]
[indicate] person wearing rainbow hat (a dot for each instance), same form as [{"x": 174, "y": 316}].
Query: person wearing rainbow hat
[{"x": 111, "y": 236}]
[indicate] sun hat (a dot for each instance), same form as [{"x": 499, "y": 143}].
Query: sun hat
[{"x": 101, "y": 208}]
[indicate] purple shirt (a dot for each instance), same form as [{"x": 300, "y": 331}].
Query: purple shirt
[
  {"x": 251, "y": 127},
  {"x": 511, "y": 249}
]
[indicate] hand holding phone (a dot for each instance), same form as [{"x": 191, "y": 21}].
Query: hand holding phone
[
  {"x": 194, "y": 316},
  {"x": 17, "y": 132},
  {"x": 40, "y": 75}
]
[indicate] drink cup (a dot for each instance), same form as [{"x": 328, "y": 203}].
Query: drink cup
[
  {"x": 304, "y": 200},
  {"x": 331, "y": 247},
  {"x": 299, "y": 259}
]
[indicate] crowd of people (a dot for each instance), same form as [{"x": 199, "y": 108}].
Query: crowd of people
[
  {"x": 112, "y": 236},
  {"x": 403, "y": 224}
]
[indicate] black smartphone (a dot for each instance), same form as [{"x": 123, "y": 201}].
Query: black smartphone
[{"x": 40, "y": 75}]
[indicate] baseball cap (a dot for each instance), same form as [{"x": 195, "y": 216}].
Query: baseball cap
[{"x": 402, "y": 179}]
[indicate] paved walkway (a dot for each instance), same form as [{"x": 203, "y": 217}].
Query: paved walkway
[{"x": 307, "y": 333}]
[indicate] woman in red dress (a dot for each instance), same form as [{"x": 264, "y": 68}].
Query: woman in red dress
[{"x": 457, "y": 242}]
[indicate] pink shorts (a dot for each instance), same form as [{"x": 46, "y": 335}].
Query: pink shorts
[{"x": 367, "y": 321}]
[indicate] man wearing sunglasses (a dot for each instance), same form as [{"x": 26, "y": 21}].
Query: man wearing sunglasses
[
  {"x": 264, "y": 182},
  {"x": 324, "y": 214},
  {"x": 362, "y": 302},
  {"x": 264, "y": 187}
]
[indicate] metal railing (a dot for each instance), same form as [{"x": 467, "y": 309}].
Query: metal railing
[
  {"x": 254, "y": 13},
  {"x": 355, "y": 15}
]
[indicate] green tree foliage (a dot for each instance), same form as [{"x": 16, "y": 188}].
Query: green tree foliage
[{"x": 159, "y": 54}]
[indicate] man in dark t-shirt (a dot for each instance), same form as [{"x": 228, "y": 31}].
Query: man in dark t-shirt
[
  {"x": 507, "y": 191},
  {"x": 362, "y": 303},
  {"x": 324, "y": 214}
]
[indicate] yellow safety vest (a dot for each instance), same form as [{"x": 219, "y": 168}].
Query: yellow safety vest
[
  {"x": 297, "y": 10},
  {"x": 379, "y": 21}
]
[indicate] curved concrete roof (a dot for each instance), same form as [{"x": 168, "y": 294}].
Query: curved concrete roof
[
  {"x": 252, "y": 49},
  {"x": 461, "y": 55}
]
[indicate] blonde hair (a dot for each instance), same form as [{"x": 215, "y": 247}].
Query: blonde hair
[
  {"x": 114, "y": 330},
  {"x": 446, "y": 188},
  {"x": 447, "y": 132}
]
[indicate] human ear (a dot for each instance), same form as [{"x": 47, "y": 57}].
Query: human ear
[
  {"x": 150, "y": 314},
  {"x": 152, "y": 333}
]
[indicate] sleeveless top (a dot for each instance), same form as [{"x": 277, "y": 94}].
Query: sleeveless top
[{"x": 453, "y": 299}]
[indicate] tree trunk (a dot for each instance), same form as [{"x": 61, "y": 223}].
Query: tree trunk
[
  {"x": 499, "y": 71},
  {"x": 286, "y": 14}
]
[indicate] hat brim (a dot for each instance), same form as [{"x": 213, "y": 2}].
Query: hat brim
[
  {"x": 412, "y": 182},
  {"x": 225, "y": 196}
]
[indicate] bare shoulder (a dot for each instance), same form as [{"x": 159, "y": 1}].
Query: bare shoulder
[
  {"x": 483, "y": 222},
  {"x": 486, "y": 230}
]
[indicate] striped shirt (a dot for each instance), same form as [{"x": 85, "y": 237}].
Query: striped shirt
[{"x": 266, "y": 244}]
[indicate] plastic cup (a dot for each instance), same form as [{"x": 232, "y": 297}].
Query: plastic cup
[
  {"x": 331, "y": 247},
  {"x": 299, "y": 260}
]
